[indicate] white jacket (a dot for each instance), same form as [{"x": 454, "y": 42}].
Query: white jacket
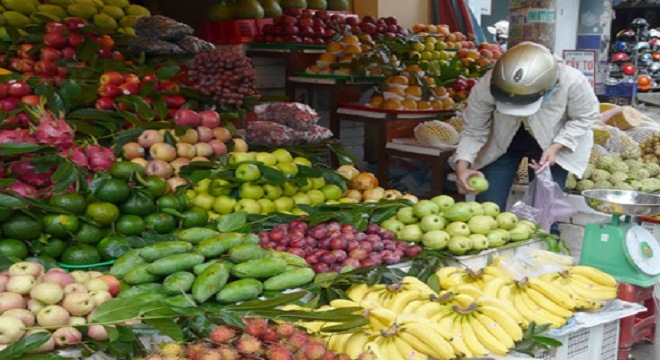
[{"x": 566, "y": 117}]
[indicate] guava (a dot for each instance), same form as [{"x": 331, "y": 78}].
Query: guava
[{"x": 459, "y": 245}]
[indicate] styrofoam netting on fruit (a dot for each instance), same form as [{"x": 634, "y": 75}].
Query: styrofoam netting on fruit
[
  {"x": 436, "y": 133},
  {"x": 644, "y": 131},
  {"x": 621, "y": 143}
]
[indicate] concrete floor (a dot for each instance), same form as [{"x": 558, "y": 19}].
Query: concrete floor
[{"x": 644, "y": 351}]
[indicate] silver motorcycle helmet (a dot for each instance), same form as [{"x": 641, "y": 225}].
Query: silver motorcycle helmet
[{"x": 521, "y": 77}]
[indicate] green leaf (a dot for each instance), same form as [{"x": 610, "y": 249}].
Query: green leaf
[
  {"x": 118, "y": 310},
  {"x": 70, "y": 91},
  {"x": 548, "y": 341},
  {"x": 169, "y": 138},
  {"x": 167, "y": 72},
  {"x": 232, "y": 222},
  {"x": 161, "y": 107},
  {"x": 140, "y": 106},
  {"x": 129, "y": 116},
  {"x": 95, "y": 114},
  {"x": 167, "y": 327},
  {"x": 271, "y": 175},
  {"x": 268, "y": 304},
  {"x": 16, "y": 148},
  {"x": 12, "y": 201},
  {"x": 16, "y": 350}
]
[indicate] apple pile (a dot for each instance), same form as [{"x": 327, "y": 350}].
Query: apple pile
[
  {"x": 300, "y": 26},
  {"x": 113, "y": 85},
  {"x": 60, "y": 45},
  {"x": 256, "y": 196},
  {"x": 363, "y": 187},
  {"x": 441, "y": 223},
  {"x": 261, "y": 339},
  {"x": 452, "y": 40},
  {"x": 202, "y": 138},
  {"x": 330, "y": 246},
  {"x": 59, "y": 301}
]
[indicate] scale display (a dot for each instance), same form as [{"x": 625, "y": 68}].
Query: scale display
[{"x": 642, "y": 249}]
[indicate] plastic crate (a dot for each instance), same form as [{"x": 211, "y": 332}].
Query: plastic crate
[
  {"x": 234, "y": 31},
  {"x": 600, "y": 342},
  {"x": 623, "y": 89}
]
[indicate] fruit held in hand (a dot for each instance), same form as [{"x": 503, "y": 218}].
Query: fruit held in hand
[{"x": 478, "y": 183}]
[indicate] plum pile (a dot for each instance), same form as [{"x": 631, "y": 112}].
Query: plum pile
[
  {"x": 331, "y": 246},
  {"x": 225, "y": 76}
]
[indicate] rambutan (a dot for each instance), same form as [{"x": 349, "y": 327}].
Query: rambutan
[
  {"x": 229, "y": 353},
  {"x": 329, "y": 355},
  {"x": 285, "y": 329},
  {"x": 269, "y": 335},
  {"x": 212, "y": 354},
  {"x": 222, "y": 335},
  {"x": 316, "y": 340},
  {"x": 280, "y": 354},
  {"x": 313, "y": 351},
  {"x": 298, "y": 340},
  {"x": 195, "y": 351},
  {"x": 171, "y": 349},
  {"x": 248, "y": 345},
  {"x": 342, "y": 357},
  {"x": 255, "y": 326}
]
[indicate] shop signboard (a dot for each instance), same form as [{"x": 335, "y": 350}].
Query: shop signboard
[{"x": 583, "y": 60}]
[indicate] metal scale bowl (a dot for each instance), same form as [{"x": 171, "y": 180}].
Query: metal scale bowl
[{"x": 622, "y": 249}]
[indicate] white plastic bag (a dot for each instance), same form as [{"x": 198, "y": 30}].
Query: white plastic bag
[{"x": 544, "y": 202}]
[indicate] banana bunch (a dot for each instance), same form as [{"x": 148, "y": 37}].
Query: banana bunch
[
  {"x": 450, "y": 277},
  {"x": 584, "y": 283},
  {"x": 395, "y": 296},
  {"x": 540, "y": 302}
]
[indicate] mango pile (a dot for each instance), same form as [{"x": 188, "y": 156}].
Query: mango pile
[
  {"x": 203, "y": 264},
  {"x": 109, "y": 16}
]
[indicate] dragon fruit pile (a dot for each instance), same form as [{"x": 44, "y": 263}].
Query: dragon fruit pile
[{"x": 37, "y": 125}]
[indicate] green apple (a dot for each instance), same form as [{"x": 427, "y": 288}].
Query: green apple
[
  {"x": 318, "y": 183},
  {"x": 429, "y": 46},
  {"x": 459, "y": 245},
  {"x": 443, "y": 201},
  {"x": 393, "y": 225},
  {"x": 418, "y": 46},
  {"x": 432, "y": 222},
  {"x": 479, "y": 241},
  {"x": 410, "y": 232},
  {"x": 435, "y": 239},
  {"x": 332, "y": 192},
  {"x": 237, "y": 157},
  {"x": 204, "y": 200},
  {"x": 407, "y": 216},
  {"x": 426, "y": 55},
  {"x": 283, "y": 203},
  {"x": 219, "y": 187},
  {"x": 224, "y": 204},
  {"x": 425, "y": 207},
  {"x": 289, "y": 188},
  {"x": 266, "y": 158},
  {"x": 288, "y": 168},
  {"x": 347, "y": 201},
  {"x": 272, "y": 191},
  {"x": 247, "y": 172},
  {"x": 267, "y": 206},
  {"x": 506, "y": 220},
  {"x": 250, "y": 206},
  {"x": 308, "y": 186},
  {"x": 458, "y": 228},
  {"x": 478, "y": 183},
  {"x": 316, "y": 196},
  {"x": 490, "y": 208},
  {"x": 202, "y": 186},
  {"x": 480, "y": 224},
  {"x": 299, "y": 160},
  {"x": 301, "y": 198},
  {"x": 282, "y": 155},
  {"x": 250, "y": 190}
]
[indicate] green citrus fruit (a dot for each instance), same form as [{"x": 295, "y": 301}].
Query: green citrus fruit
[
  {"x": 81, "y": 255},
  {"x": 22, "y": 227},
  {"x": 126, "y": 170},
  {"x": 155, "y": 185},
  {"x": 54, "y": 247},
  {"x": 195, "y": 217},
  {"x": 113, "y": 247},
  {"x": 102, "y": 213},
  {"x": 14, "y": 248},
  {"x": 169, "y": 202},
  {"x": 88, "y": 234},
  {"x": 113, "y": 191},
  {"x": 47, "y": 259},
  {"x": 5, "y": 213},
  {"x": 61, "y": 225},
  {"x": 160, "y": 222},
  {"x": 130, "y": 225},
  {"x": 139, "y": 204},
  {"x": 72, "y": 202}
]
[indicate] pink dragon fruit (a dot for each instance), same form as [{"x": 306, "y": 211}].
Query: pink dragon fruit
[
  {"x": 16, "y": 135},
  {"x": 54, "y": 132},
  {"x": 23, "y": 189},
  {"x": 25, "y": 172},
  {"x": 76, "y": 155},
  {"x": 99, "y": 157}
]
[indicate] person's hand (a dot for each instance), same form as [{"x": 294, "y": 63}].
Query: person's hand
[
  {"x": 548, "y": 157},
  {"x": 462, "y": 176}
]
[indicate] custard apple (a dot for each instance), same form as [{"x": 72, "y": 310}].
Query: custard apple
[
  {"x": 600, "y": 175},
  {"x": 584, "y": 184},
  {"x": 618, "y": 177}
]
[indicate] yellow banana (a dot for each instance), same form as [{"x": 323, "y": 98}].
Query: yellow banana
[
  {"x": 504, "y": 294},
  {"x": 337, "y": 342},
  {"x": 581, "y": 290},
  {"x": 582, "y": 304},
  {"x": 429, "y": 309},
  {"x": 413, "y": 283},
  {"x": 444, "y": 273},
  {"x": 400, "y": 300},
  {"x": 506, "y": 308},
  {"x": 371, "y": 304},
  {"x": 444, "y": 321},
  {"x": 597, "y": 291},
  {"x": 355, "y": 345},
  {"x": 592, "y": 285},
  {"x": 406, "y": 349},
  {"x": 458, "y": 340},
  {"x": 462, "y": 300},
  {"x": 413, "y": 306},
  {"x": 426, "y": 341},
  {"x": 594, "y": 275},
  {"x": 375, "y": 350},
  {"x": 504, "y": 320},
  {"x": 406, "y": 319},
  {"x": 486, "y": 338},
  {"x": 549, "y": 305},
  {"x": 388, "y": 348},
  {"x": 554, "y": 293},
  {"x": 471, "y": 340},
  {"x": 495, "y": 329},
  {"x": 492, "y": 287},
  {"x": 541, "y": 316},
  {"x": 357, "y": 292},
  {"x": 471, "y": 290},
  {"x": 496, "y": 272},
  {"x": 383, "y": 316},
  {"x": 549, "y": 277},
  {"x": 415, "y": 343},
  {"x": 342, "y": 303}
]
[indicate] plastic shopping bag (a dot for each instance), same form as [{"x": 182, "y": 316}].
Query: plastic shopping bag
[{"x": 544, "y": 203}]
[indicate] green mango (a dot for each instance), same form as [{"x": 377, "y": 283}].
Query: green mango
[
  {"x": 82, "y": 10},
  {"x": 119, "y": 3},
  {"x": 127, "y": 31},
  {"x": 44, "y": 18},
  {"x": 116, "y": 12},
  {"x": 22, "y": 6},
  {"x": 54, "y": 10},
  {"x": 16, "y": 19},
  {"x": 128, "y": 21},
  {"x": 137, "y": 10},
  {"x": 105, "y": 22},
  {"x": 98, "y": 3},
  {"x": 63, "y": 3}
]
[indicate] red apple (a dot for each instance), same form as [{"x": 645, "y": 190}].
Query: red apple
[
  {"x": 55, "y": 27},
  {"x": 111, "y": 77},
  {"x": 45, "y": 67},
  {"x": 3, "y": 90},
  {"x": 18, "y": 88},
  {"x": 68, "y": 53},
  {"x": 131, "y": 78},
  {"x": 109, "y": 90},
  {"x": 74, "y": 24},
  {"x": 9, "y": 104},
  {"x": 113, "y": 284},
  {"x": 31, "y": 100},
  {"x": 25, "y": 51},
  {"x": 169, "y": 86},
  {"x": 291, "y": 30},
  {"x": 55, "y": 40},
  {"x": 105, "y": 103},
  {"x": 305, "y": 22},
  {"x": 129, "y": 88},
  {"x": 173, "y": 101},
  {"x": 210, "y": 118}
]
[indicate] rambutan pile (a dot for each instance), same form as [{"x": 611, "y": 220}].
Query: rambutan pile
[{"x": 261, "y": 339}]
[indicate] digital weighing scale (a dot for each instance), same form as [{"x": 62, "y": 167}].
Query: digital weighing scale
[{"x": 624, "y": 250}]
